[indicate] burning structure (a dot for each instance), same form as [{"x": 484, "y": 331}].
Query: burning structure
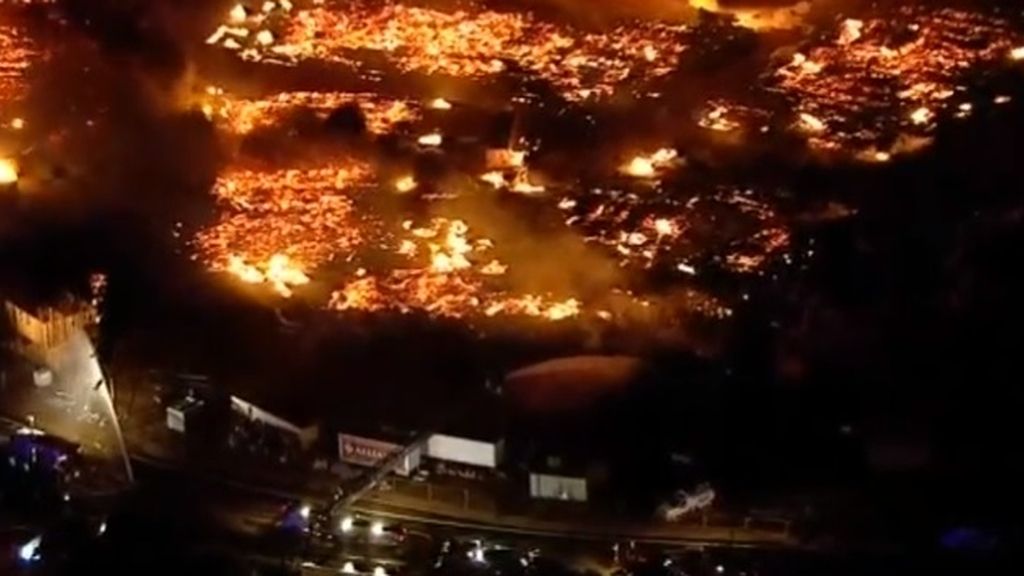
[
  {"x": 471, "y": 41},
  {"x": 479, "y": 160},
  {"x": 17, "y": 51},
  {"x": 876, "y": 82},
  {"x": 871, "y": 88}
]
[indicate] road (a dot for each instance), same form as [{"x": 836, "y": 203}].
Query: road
[
  {"x": 517, "y": 526},
  {"x": 76, "y": 407}
]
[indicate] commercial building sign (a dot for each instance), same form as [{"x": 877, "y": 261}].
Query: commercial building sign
[{"x": 363, "y": 451}]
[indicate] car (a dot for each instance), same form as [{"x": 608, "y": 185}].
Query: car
[
  {"x": 364, "y": 568},
  {"x": 357, "y": 527}
]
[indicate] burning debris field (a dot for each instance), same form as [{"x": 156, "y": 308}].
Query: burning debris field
[{"x": 484, "y": 162}]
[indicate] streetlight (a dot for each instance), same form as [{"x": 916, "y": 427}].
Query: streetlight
[
  {"x": 346, "y": 524},
  {"x": 377, "y": 528},
  {"x": 29, "y": 551},
  {"x": 477, "y": 553}
]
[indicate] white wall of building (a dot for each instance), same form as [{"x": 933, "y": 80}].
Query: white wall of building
[
  {"x": 306, "y": 435},
  {"x": 464, "y": 451},
  {"x": 555, "y": 487}
]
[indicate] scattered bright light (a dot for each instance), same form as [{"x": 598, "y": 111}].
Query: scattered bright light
[
  {"x": 882, "y": 156},
  {"x": 8, "y": 171},
  {"x": 720, "y": 569},
  {"x": 29, "y": 552},
  {"x": 1017, "y": 54},
  {"x": 647, "y": 166},
  {"x": 472, "y": 43},
  {"x": 380, "y": 571},
  {"x": 405, "y": 184},
  {"x": 377, "y": 528},
  {"x": 348, "y": 568},
  {"x": 495, "y": 178},
  {"x": 524, "y": 186},
  {"x": 431, "y": 139},
  {"x": 811, "y": 123},
  {"x": 686, "y": 268},
  {"x": 264, "y": 38},
  {"x": 665, "y": 227},
  {"x": 1002, "y": 99},
  {"x": 504, "y": 158},
  {"x": 640, "y": 167},
  {"x": 102, "y": 529},
  {"x": 346, "y": 524},
  {"x": 477, "y": 553},
  {"x": 18, "y": 123},
  {"x": 279, "y": 271},
  {"x": 851, "y": 31},
  {"x": 237, "y": 14},
  {"x": 805, "y": 66},
  {"x": 921, "y": 116},
  {"x": 305, "y": 511},
  {"x": 440, "y": 104}
]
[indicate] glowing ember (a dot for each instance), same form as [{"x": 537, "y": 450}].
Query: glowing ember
[
  {"x": 430, "y": 140},
  {"x": 921, "y": 116},
  {"x": 285, "y": 228},
  {"x": 648, "y": 166},
  {"x": 1017, "y": 54},
  {"x": 264, "y": 38},
  {"x": 238, "y": 14},
  {"x": 877, "y": 80},
  {"x": 440, "y": 104},
  {"x": 277, "y": 222},
  {"x": 278, "y": 271},
  {"x": 522, "y": 185},
  {"x": 666, "y": 227},
  {"x": 445, "y": 275},
  {"x": 17, "y": 54},
  {"x": 640, "y": 167},
  {"x": 686, "y": 269},
  {"x": 470, "y": 42},
  {"x": 717, "y": 119},
  {"x": 8, "y": 171},
  {"x": 851, "y": 31},
  {"x": 405, "y": 184},
  {"x": 765, "y": 18},
  {"x": 811, "y": 123},
  {"x": 243, "y": 115},
  {"x": 505, "y": 158},
  {"x": 645, "y": 230},
  {"x": 494, "y": 178}
]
